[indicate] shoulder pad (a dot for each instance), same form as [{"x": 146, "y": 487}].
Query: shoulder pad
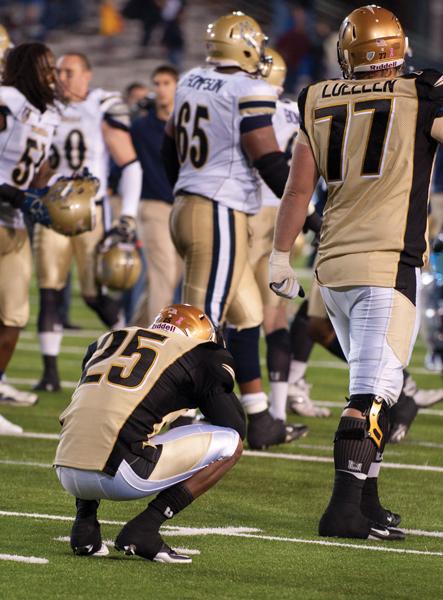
[
  {"x": 429, "y": 83},
  {"x": 11, "y": 98},
  {"x": 115, "y": 110},
  {"x": 256, "y": 97}
]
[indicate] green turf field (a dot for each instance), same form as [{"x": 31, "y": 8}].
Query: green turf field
[{"x": 253, "y": 536}]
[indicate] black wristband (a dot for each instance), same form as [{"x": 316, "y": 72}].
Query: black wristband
[
  {"x": 170, "y": 159},
  {"x": 11, "y": 195},
  {"x": 274, "y": 171}
]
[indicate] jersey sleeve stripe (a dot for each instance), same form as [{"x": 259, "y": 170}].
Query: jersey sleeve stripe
[{"x": 257, "y": 103}]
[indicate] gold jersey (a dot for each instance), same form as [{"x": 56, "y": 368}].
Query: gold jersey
[
  {"x": 133, "y": 382},
  {"x": 372, "y": 143}
]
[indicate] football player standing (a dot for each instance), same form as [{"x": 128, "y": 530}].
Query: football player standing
[
  {"x": 135, "y": 381},
  {"x": 373, "y": 239},
  {"x": 221, "y": 127},
  {"x": 28, "y": 118},
  {"x": 94, "y": 125}
]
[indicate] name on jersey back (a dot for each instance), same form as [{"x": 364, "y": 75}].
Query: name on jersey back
[
  {"x": 346, "y": 89},
  {"x": 205, "y": 83}
]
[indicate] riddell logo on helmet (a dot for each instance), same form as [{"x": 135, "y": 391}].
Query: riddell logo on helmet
[
  {"x": 164, "y": 326},
  {"x": 388, "y": 65}
]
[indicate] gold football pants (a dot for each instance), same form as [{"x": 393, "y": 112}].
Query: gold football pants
[
  {"x": 15, "y": 276},
  {"x": 213, "y": 242},
  {"x": 54, "y": 253}
]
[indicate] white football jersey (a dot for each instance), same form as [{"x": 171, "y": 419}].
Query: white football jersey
[
  {"x": 24, "y": 144},
  {"x": 286, "y": 121},
  {"x": 79, "y": 140},
  {"x": 209, "y": 107}
]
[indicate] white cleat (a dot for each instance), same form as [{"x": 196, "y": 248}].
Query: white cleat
[
  {"x": 8, "y": 428},
  {"x": 300, "y": 403},
  {"x": 103, "y": 551},
  {"x": 10, "y": 395},
  {"x": 422, "y": 398},
  {"x": 170, "y": 556}
]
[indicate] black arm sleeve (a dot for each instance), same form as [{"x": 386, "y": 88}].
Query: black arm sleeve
[
  {"x": 170, "y": 159},
  {"x": 11, "y": 195},
  {"x": 224, "y": 409},
  {"x": 274, "y": 171}
]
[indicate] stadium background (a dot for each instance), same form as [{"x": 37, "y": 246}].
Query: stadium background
[{"x": 282, "y": 493}]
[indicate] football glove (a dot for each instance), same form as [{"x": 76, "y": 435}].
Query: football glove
[
  {"x": 125, "y": 231},
  {"x": 282, "y": 278},
  {"x": 34, "y": 208}
]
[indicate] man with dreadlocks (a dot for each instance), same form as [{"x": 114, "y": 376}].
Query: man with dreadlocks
[{"x": 28, "y": 118}]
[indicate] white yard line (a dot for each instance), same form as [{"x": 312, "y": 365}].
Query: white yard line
[
  {"x": 75, "y": 333},
  {"x": 77, "y": 350},
  {"x": 243, "y": 533},
  {"x": 252, "y": 453},
  {"x": 34, "y": 560},
  {"x": 25, "y": 381}
]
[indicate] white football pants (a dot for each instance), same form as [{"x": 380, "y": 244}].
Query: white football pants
[
  {"x": 186, "y": 450},
  {"x": 377, "y": 328}
]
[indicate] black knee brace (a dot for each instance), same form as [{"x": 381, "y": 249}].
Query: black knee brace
[
  {"x": 49, "y": 318},
  {"x": 278, "y": 355},
  {"x": 376, "y": 411}
]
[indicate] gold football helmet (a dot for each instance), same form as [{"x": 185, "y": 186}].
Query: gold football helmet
[
  {"x": 278, "y": 70},
  {"x": 70, "y": 203},
  {"x": 236, "y": 40},
  {"x": 370, "y": 39},
  {"x": 190, "y": 320},
  {"x": 118, "y": 267}
]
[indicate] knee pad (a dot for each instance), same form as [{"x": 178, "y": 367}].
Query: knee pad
[
  {"x": 244, "y": 347},
  {"x": 375, "y": 409},
  {"x": 49, "y": 316},
  {"x": 278, "y": 355}
]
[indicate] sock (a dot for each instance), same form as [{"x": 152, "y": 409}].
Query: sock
[
  {"x": 86, "y": 508},
  {"x": 50, "y": 342},
  {"x": 347, "y": 490},
  {"x": 335, "y": 349},
  {"x": 50, "y": 366},
  {"x": 297, "y": 370},
  {"x": 254, "y": 403},
  {"x": 278, "y": 399},
  {"x": 353, "y": 451}
]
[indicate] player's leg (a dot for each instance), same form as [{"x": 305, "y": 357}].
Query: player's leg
[
  {"x": 107, "y": 308},
  {"x": 188, "y": 461},
  {"x": 161, "y": 257},
  {"x": 15, "y": 277},
  {"x": 53, "y": 259},
  {"x": 383, "y": 325},
  {"x": 302, "y": 343}
]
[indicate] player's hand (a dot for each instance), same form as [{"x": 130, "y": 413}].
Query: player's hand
[
  {"x": 282, "y": 278},
  {"x": 124, "y": 232},
  {"x": 34, "y": 208}
]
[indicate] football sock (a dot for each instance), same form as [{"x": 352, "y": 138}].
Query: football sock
[
  {"x": 297, "y": 370},
  {"x": 353, "y": 451},
  {"x": 50, "y": 365},
  {"x": 254, "y": 403},
  {"x": 278, "y": 358},
  {"x": 278, "y": 398},
  {"x": 301, "y": 343}
]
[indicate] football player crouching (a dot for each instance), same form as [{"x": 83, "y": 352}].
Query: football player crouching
[{"x": 134, "y": 381}]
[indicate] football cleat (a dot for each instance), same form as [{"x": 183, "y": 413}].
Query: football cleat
[
  {"x": 301, "y": 404},
  {"x": 164, "y": 555},
  {"x": 265, "y": 431},
  {"x": 86, "y": 539},
  {"x": 8, "y": 428},
  {"x": 10, "y": 395},
  {"x": 401, "y": 417},
  {"x": 383, "y": 517},
  {"x": 48, "y": 384},
  {"x": 390, "y": 534},
  {"x": 422, "y": 398}
]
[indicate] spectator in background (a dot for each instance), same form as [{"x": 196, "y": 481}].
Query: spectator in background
[
  {"x": 136, "y": 96},
  {"x": 156, "y": 201},
  {"x": 295, "y": 46}
]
